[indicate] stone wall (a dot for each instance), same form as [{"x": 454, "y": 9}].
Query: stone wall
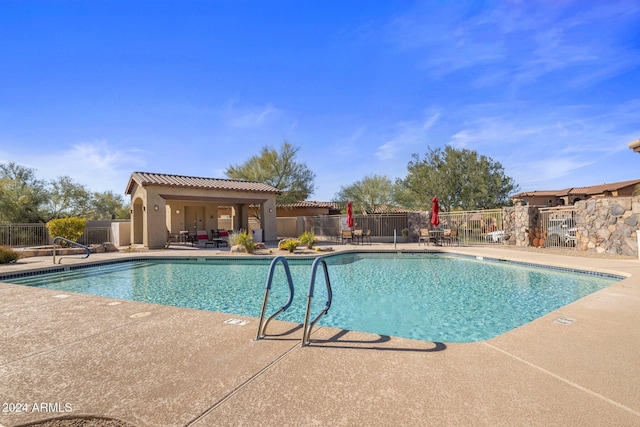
[
  {"x": 518, "y": 221},
  {"x": 416, "y": 221},
  {"x": 604, "y": 225},
  {"x": 509, "y": 223},
  {"x": 608, "y": 225}
]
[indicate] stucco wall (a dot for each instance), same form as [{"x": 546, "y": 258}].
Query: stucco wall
[{"x": 157, "y": 223}]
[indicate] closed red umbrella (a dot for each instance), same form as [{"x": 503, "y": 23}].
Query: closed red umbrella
[
  {"x": 435, "y": 208},
  {"x": 349, "y": 215}
]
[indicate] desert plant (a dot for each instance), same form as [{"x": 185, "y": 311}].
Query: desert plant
[
  {"x": 290, "y": 244},
  {"x": 70, "y": 228},
  {"x": 8, "y": 255},
  {"x": 308, "y": 239},
  {"x": 245, "y": 240},
  {"x": 233, "y": 238}
]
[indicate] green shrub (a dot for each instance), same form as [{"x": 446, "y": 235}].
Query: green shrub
[
  {"x": 308, "y": 239},
  {"x": 70, "y": 228},
  {"x": 8, "y": 255}
]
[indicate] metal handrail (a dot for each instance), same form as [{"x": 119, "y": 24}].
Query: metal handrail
[
  {"x": 306, "y": 330},
  {"x": 263, "y": 326},
  {"x": 71, "y": 242}
]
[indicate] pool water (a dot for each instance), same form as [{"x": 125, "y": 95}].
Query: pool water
[{"x": 434, "y": 297}]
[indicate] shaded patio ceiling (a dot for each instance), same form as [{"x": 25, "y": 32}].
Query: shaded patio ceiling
[{"x": 227, "y": 200}]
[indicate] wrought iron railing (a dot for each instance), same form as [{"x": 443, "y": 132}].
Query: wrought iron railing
[
  {"x": 20, "y": 235},
  {"x": 381, "y": 225},
  {"x": 483, "y": 226},
  {"x": 24, "y": 235}
]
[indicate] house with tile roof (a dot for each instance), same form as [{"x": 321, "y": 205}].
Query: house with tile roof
[
  {"x": 569, "y": 196},
  {"x": 163, "y": 205}
]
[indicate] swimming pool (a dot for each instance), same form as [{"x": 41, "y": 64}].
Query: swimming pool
[{"x": 434, "y": 297}]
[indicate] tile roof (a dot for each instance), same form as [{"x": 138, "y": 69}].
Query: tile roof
[
  {"x": 592, "y": 189},
  {"x": 596, "y": 189},
  {"x": 381, "y": 209},
  {"x": 310, "y": 204},
  {"x": 167, "y": 180}
]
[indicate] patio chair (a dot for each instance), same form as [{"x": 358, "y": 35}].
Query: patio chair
[
  {"x": 191, "y": 238},
  {"x": 424, "y": 236},
  {"x": 357, "y": 236},
  {"x": 450, "y": 236},
  {"x": 366, "y": 236},
  {"x": 217, "y": 239},
  {"x": 346, "y": 235}
]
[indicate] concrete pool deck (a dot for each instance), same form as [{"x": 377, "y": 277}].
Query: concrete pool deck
[{"x": 71, "y": 355}]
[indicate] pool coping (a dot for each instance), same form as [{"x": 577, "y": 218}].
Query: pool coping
[{"x": 543, "y": 373}]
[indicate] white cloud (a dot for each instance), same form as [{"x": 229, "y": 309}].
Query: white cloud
[
  {"x": 517, "y": 43},
  {"x": 97, "y": 165},
  {"x": 406, "y": 136},
  {"x": 249, "y": 117}
]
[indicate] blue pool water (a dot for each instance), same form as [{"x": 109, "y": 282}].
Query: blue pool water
[{"x": 434, "y": 297}]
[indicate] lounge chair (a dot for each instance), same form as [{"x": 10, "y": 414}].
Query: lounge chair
[{"x": 201, "y": 236}]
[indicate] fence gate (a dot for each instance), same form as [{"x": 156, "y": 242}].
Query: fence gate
[{"x": 557, "y": 228}]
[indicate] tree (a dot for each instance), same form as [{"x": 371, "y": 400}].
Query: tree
[
  {"x": 279, "y": 170},
  {"x": 67, "y": 198},
  {"x": 369, "y": 193},
  {"x": 22, "y": 195},
  {"x": 460, "y": 178},
  {"x": 26, "y": 199},
  {"x": 108, "y": 205}
]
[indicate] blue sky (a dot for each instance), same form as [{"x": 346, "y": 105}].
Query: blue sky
[{"x": 97, "y": 90}]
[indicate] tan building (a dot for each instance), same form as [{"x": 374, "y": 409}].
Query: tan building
[
  {"x": 569, "y": 196},
  {"x": 163, "y": 205},
  {"x": 308, "y": 208}
]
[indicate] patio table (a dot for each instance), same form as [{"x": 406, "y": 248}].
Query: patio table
[{"x": 436, "y": 235}]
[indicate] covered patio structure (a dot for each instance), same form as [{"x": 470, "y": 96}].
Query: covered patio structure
[{"x": 164, "y": 205}]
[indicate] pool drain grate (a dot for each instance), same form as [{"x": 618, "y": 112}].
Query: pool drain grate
[
  {"x": 236, "y": 322},
  {"x": 141, "y": 314}
]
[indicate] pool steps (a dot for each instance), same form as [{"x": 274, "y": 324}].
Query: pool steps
[
  {"x": 308, "y": 325},
  {"x": 70, "y": 242},
  {"x": 263, "y": 326}
]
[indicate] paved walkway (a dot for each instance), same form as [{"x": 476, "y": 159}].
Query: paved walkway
[{"x": 72, "y": 355}]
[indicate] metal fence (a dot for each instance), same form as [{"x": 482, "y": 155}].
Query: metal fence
[
  {"x": 95, "y": 235},
  {"x": 557, "y": 228},
  {"x": 18, "y": 235},
  {"x": 381, "y": 225},
  {"x": 24, "y": 235},
  {"x": 484, "y": 226}
]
